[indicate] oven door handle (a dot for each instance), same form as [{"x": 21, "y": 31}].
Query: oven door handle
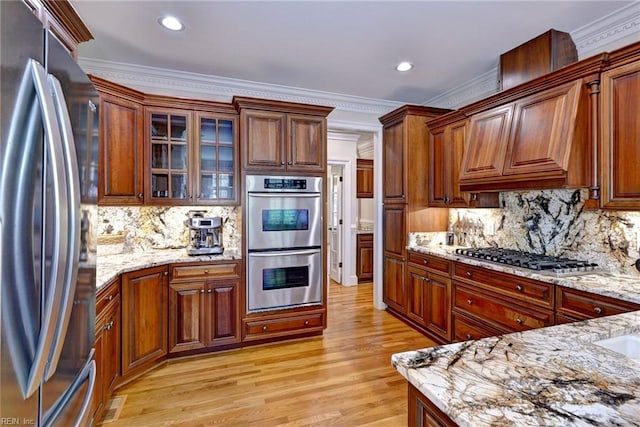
[
  {"x": 284, "y": 253},
  {"x": 296, "y": 195}
]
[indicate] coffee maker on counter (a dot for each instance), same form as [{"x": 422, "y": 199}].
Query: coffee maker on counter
[{"x": 205, "y": 234}]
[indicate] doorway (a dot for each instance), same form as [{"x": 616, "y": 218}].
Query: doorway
[{"x": 335, "y": 192}]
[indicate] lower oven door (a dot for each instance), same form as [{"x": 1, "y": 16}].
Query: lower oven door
[{"x": 284, "y": 279}]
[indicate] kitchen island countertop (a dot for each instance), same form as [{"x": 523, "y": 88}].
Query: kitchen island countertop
[
  {"x": 543, "y": 377},
  {"x": 110, "y": 266}
]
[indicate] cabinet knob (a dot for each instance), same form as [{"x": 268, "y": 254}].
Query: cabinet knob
[
  {"x": 597, "y": 310},
  {"x": 306, "y": 323},
  {"x": 139, "y": 195},
  {"x": 519, "y": 321},
  {"x": 469, "y": 336},
  {"x": 264, "y": 328},
  {"x": 110, "y": 297},
  {"x": 289, "y": 162},
  {"x": 426, "y": 261},
  {"x": 209, "y": 291},
  {"x": 202, "y": 291},
  {"x": 446, "y": 200},
  {"x": 519, "y": 288},
  {"x": 469, "y": 301},
  {"x": 469, "y": 274},
  {"x": 282, "y": 163},
  {"x": 206, "y": 272},
  {"x": 166, "y": 273}
]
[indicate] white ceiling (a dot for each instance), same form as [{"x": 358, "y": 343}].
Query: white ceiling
[{"x": 348, "y": 47}]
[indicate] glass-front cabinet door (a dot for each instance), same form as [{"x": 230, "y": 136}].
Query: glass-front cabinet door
[
  {"x": 168, "y": 158},
  {"x": 216, "y": 159}
]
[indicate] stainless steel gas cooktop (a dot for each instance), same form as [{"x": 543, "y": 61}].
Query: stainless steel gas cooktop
[{"x": 539, "y": 263}]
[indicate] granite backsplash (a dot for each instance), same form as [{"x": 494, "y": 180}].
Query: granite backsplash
[
  {"x": 551, "y": 222},
  {"x": 152, "y": 227}
]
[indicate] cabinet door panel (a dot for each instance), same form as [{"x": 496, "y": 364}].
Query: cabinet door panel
[
  {"x": 222, "y": 302},
  {"x": 144, "y": 317},
  {"x": 543, "y": 123},
  {"x": 394, "y": 228},
  {"x": 438, "y": 319},
  {"x": 121, "y": 165},
  {"x": 488, "y": 135},
  {"x": 263, "y": 140},
  {"x": 186, "y": 310},
  {"x": 458, "y": 135},
  {"x": 394, "y": 292},
  {"x": 438, "y": 167},
  {"x": 416, "y": 289},
  {"x": 620, "y": 137},
  {"x": 306, "y": 138},
  {"x": 394, "y": 163}
]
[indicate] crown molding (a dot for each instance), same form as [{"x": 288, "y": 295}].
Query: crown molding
[
  {"x": 598, "y": 36},
  {"x": 201, "y": 86}
]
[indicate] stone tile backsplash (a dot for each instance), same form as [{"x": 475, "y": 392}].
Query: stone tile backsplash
[
  {"x": 151, "y": 227},
  {"x": 551, "y": 222}
]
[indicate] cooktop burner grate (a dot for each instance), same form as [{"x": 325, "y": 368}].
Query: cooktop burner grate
[{"x": 531, "y": 261}]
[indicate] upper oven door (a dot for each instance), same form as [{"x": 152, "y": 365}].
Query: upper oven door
[{"x": 284, "y": 220}]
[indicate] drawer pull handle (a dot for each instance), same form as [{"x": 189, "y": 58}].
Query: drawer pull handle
[
  {"x": 264, "y": 327},
  {"x": 469, "y": 336},
  {"x": 469, "y": 301},
  {"x": 519, "y": 288},
  {"x": 306, "y": 323},
  {"x": 209, "y": 291},
  {"x": 206, "y": 272},
  {"x": 202, "y": 291},
  {"x": 110, "y": 297},
  {"x": 597, "y": 310},
  {"x": 166, "y": 273},
  {"x": 469, "y": 274},
  {"x": 426, "y": 261},
  {"x": 519, "y": 321}
]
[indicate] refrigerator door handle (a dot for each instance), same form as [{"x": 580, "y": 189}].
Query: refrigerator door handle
[
  {"x": 88, "y": 373},
  {"x": 72, "y": 251},
  {"x": 53, "y": 293}
]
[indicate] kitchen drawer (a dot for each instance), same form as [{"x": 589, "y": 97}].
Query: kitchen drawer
[
  {"x": 106, "y": 295},
  {"x": 221, "y": 270},
  {"x": 585, "y": 305},
  {"x": 531, "y": 291},
  {"x": 430, "y": 262},
  {"x": 261, "y": 329},
  {"x": 500, "y": 312},
  {"x": 465, "y": 329}
]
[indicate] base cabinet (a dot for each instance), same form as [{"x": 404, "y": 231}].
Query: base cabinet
[
  {"x": 144, "y": 318},
  {"x": 423, "y": 413},
  {"x": 204, "y": 306},
  {"x": 107, "y": 345},
  {"x": 364, "y": 260}
]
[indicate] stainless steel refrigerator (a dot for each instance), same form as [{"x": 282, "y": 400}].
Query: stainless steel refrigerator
[{"x": 48, "y": 182}]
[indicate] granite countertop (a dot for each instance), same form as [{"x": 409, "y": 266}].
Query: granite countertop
[
  {"x": 110, "y": 266},
  {"x": 547, "y": 376},
  {"x": 602, "y": 283},
  {"x": 542, "y": 377}
]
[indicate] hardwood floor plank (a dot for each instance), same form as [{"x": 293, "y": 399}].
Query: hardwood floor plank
[{"x": 343, "y": 378}]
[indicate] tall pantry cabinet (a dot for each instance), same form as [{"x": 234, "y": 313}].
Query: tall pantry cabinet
[{"x": 405, "y": 179}]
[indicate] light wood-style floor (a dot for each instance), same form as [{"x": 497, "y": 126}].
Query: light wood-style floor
[{"x": 344, "y": 378}]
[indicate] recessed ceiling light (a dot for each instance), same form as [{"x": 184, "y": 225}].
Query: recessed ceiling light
[
  {"x": 171, "y": 23},
  {"x": 404, "y": 66}
]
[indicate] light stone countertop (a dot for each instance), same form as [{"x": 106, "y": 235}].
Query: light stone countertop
[
  {"x": 110, "y": 266},
  {"x": 552, "y": 376}
]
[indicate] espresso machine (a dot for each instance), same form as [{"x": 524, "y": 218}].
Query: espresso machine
[{"x": 205, "y": 234}]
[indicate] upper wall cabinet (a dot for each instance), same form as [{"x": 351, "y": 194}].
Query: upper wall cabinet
[
  {"x": 364, "y": 178},
  {"x": 620, "y": 130},
  {"x": 282, "y": 136},
  {"x": 191, "y": 155},
  {"x": 536, "y": 135},
  {"x": 120, "y": 166}
]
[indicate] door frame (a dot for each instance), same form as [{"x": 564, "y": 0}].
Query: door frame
[
  {"x": 340, "y": 226},
  {"x": 376, "y": 129}
]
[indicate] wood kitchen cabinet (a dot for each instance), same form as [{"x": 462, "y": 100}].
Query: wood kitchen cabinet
[
  {"x": 429, "y": 301},
  {"x": 282, "y": 137},
  {"x": 192, "y": 156},
  {"x": 107, "y": 345},
  {"x": 423, "y": 413},
  {"x": 144, "y": 319},
  {"x": 364, "y": 178},
  {"x": 620, "y": 130},
  {"x": 120, "y": 168},
  {"x": 405, "y": 180},
  {"x": 575, "y": 305},
  {"x": 204, "y": 306},
  {"x": 364, "y": 260}
]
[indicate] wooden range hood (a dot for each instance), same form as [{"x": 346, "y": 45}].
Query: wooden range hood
[{"x": 538, "y": 135}]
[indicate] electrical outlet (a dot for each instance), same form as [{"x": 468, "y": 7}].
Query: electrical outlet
[
  {"x": 638, "y": 240},
  {"x": 491, "y": 228}
]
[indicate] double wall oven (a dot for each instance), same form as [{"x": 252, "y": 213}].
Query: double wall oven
[{"x": 284, "y": 242}]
